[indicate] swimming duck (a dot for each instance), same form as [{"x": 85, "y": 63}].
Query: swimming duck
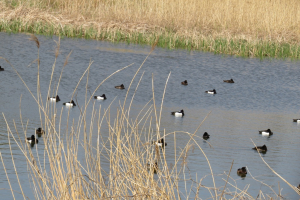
[
  {"x": 120, "y": 87},
  {"x": 154, "y": 167},
  {"x": 228, "y": 81},
  {"x": 103, "y": 97},
  {"x": 32, "y": 140},
  {"x": 267, "y": 132},
  {"x": 205, "y": 136},
  {"x": 1, "y": 69},
  {"x": 242, "y": 171},
  {"x": 71, "y": 103},
  {"x": 39, "y": 131},
  {"x": 160, "y": 142},
  {"x": 261, "y": 149},
  {"x": 296, "y": 120},
  {"x": 211, "y": 91},
  {"x": 184, "y": 82},
  {"x": 56, "y": 98},
  {"x": 178, "y": 113}
]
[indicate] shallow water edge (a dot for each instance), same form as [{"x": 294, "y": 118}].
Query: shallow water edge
[{"x": 164, "y": 38}]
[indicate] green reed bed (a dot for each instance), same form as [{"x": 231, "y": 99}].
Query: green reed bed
[{"x": 170, "y": 40}]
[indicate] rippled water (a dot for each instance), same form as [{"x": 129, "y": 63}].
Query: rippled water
[{"x": 264, "y": 95}]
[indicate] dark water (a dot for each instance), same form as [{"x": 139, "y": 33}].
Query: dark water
[{"x": 264, "y": 95}]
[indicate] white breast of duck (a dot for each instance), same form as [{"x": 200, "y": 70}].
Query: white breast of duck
[
  {"x": 103, "y": 97},
  {"x": 266, "y": 132},
  {"x": 211, "y": 91},
  {"x": 178, "y": 113},
  {"x": 70, "y": 104}
]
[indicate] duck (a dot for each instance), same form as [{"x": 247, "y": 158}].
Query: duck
[
  {"x": 102, "y": 97},
  {"x": 178, "y": 113},
  {"x": 184, "y": 82},
  {"x": 120, "y": 87},
  {"x": 296, "y": 120},
  {"x": 56, "y": 98},
  {"x": 211, "y": 91},
  {"x": 32, "y": 140},
  {"x": 39, "y": 131},
  {"x": 242, "y": 171},
  {"x": 1, "y": 69},
  {"x": 154, "y": 167},
  {"x": 228, "y": 81},
  {"x": 261, "y": 149},
  {"x": 161, "y": 142},
  {"x": 71, "y": 103},
  {"x": 205, "y": 136},
  {"x": 267, "y": 132}
]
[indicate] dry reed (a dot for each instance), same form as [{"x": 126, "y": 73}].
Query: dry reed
[
  {"x": 269, "y": 20},
  {"x": 265, "y": 26},
  {"x": 115, "y": 164}
]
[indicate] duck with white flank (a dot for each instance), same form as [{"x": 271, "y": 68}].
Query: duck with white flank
[
  {"x": 228, "y": 81},
  {"x": 184, "y": 82},
  {"x": 1, "y": 69},
  {"x": 70, "y": 104},
  {"x": 39, "y": 131},
  {"x": 296, "y": 120},
  {"x": 56, "y": 98},
  {"x": 102, "y": 97},
  {"x": 178, "y": 113},
  {"x": 160, "y": 143},
  {"x": 261, "y": 149},
  {"x": 267, "y": 132},
  {"x": 120, "y": 87},
  {"x": 242, "y": 172},
  {"x": 211, "y": 91},
  {"x": 32, "y": 140},
  {"x": 205, "y": 136}
]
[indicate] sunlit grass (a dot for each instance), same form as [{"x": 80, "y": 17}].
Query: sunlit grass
[{"x": 243, "y": 28}]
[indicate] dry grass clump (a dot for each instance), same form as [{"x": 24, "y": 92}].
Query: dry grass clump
[
  {"x": 274, "y": 20},
  {"x": 97, "y": 157}
]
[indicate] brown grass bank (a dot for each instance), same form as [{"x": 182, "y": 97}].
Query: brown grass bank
[{"x": 186, "y": 23}]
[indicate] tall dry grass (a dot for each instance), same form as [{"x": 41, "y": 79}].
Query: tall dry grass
[
  {"x": 83, "y": 160},
  {"x": 274, "y": 20}
]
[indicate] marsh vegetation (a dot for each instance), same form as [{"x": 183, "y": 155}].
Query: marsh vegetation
[{"x": 244, "y": 28}]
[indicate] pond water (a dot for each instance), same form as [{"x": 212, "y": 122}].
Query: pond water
[{"x": 264, "y": 95}]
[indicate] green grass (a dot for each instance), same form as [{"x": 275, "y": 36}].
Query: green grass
[{"x": 237, "y": 47}]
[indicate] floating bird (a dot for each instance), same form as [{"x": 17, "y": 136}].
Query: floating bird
[
  {"x": 32, "y": 140},
  {"x": 39, "y": 131},
  {"x": 56, "y": 98},
  {"x": 160, "y": 142},
  {"x": 267, "y": 132},
  {"x": 261, "y": 149},
  {"x": 154, "y": 167},
  {"x": 103, "y": 97},
  {"x": 184, "y": 82},
  {"x": 1, "y": 69},
  {"x": 205, "y": 136},
  {"x": 242, "y": 171},
  {"x": 71, "y": 103},
  {"x": 228, "y": 81},
  {"x": 211, "y": 91},
  {"x": 296, "y": 120},
  {"x": 178, "y": 113},
  {"x": 120, "y": 87}
]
